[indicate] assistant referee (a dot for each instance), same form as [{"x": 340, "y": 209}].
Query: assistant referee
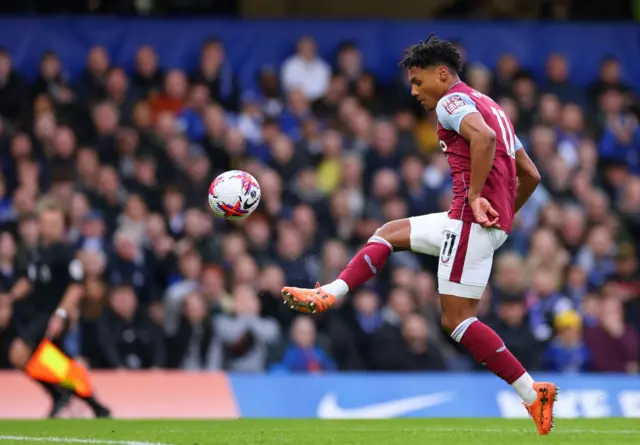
[{"x": 52, "y": 287}]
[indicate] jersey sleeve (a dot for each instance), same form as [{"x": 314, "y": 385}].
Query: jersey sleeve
[
  {"x": 518, "y": 144},
  {"x": 452, "y": 108}
]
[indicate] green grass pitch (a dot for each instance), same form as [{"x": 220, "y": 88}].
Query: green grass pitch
[{"x": 317, "y": 432}]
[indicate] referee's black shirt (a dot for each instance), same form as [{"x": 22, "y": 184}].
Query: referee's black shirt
[{"x": 51, "y": 270}]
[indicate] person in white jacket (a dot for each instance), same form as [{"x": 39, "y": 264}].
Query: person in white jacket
[{"x": 306, "y": 71}]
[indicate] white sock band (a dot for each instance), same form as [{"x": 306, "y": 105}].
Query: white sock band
[
  {"x": 524, "y": 387},
  {"x": 462, "y": 328},
  {"x": 377, "y": 239},
  {"x": 337, "y": 288}
]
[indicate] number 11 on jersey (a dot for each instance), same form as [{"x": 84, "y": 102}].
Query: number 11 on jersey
[{"x": 508, "y": 137}]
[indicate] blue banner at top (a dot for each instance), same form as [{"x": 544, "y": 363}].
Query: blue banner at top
[{"x": 254, "y": 44}]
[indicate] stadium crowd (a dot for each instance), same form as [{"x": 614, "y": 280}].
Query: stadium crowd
[{"x": 131, "y": 155}]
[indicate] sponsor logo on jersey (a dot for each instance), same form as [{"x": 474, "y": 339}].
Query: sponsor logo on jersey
[{"x": 453, "y": 103}]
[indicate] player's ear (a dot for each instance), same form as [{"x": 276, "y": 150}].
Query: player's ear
[{"x": 443, "y": 72}]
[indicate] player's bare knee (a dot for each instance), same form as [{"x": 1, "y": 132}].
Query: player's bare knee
[
  {"x": 450, "y": 322},
  {"x": 395, "y": 233},
  {"x": 456, "y": 310},
  {"x": 19, "y": 353}
]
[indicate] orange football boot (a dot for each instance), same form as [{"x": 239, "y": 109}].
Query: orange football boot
[
  {"x": 308, "y": 300},
  {"x": 541, "y": 411}
]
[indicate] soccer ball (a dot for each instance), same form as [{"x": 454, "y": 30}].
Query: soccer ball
[{"x": 234, "y": 195}]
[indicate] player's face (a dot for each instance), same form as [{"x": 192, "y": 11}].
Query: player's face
[{"x": 428, "y": 85}]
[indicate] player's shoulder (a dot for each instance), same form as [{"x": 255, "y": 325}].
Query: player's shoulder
[
  {"x": 452, "y": 101},
  {"x": 452, "y": 108}
]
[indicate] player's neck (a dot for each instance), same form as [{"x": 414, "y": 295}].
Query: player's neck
[{"x": 455, "y": 80}]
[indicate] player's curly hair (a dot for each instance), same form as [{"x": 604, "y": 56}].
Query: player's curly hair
[{"x": 430, "y": 52}]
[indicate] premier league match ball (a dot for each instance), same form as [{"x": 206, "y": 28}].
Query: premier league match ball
[{"x": 234, "y": 195}]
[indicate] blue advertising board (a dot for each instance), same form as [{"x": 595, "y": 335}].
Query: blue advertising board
[{"x": 378, "y": 396}]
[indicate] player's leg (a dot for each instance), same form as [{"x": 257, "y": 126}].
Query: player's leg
[
  {"x": 367, "y": 263},
  {"x": 463, "y": 272},
  {"x": 404, "y": 234}
]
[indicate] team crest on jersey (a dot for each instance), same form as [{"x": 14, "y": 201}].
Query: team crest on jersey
[{"x": 453, "y": 103}]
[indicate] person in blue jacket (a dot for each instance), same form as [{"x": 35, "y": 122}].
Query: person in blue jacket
[{"x": 304, "y": 354}]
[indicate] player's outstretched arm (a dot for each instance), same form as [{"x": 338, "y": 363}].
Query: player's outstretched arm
[
  {"x": 528, "y": 178},
  {"x": 482, "y": 142}
]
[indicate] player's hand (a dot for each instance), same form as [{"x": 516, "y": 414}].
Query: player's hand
[
  {"x": 55, "y": 326},
  {"x": 485, "y": 215}
]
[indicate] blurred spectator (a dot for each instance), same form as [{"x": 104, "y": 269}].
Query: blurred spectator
[
  {"x": 242, "y": 341},
  {"x": 52, "y": 80},
  {"x": 95, "y": 301},
  {"x": 91, "y": 86},
  {"x": 29, "y": 233},
  {"x": 14, "y": 99},
  {"x": 304, "y": 354},
  {"x": 502, "y": 81},
  {"x": 613, "y": 343},
  {"x": 306, "y": 70},
  {"x": 130, "y": 264},
  {"x": 173, "y": 96},
  {"x": 626, "y": 284},
  {"x": 191, "y": 118},
  {"x": 189, "y": 348},
  {"x": 509, "y": 275},
  {"x": 106, "y": 118},
  {"x": 327, "y": 106},
  {"x": 181, "y": 285},
  {"x": 349, "y": 62},
  {"x": 597, "y": 256},
  {"x": 215, "y": 72},
  {"x": 413, "y": 352},
  {"x": 479, "y": 78},
  {"x": 290, "y": 252},
  {"x": 621, "y": 136},
  {"x": 558, "y": 83},
  {"x": 354, "y": 340},
  {"x": 147, "y": 76},
  {"x": 144, "y": 181},
  {"x": 526, "y": 95},
  {"x": 609, "y": 77},
  {"x": 568, "y": 352},
  {"x": 366, "y": 91},
  {"x": 9, "y": 274},
  {"x": 119, "y": 94},
  {"x": 511, "y": 324},
  {"x": 127, "y": 336},
  {"x": 399, "y": 306},
  {"x": 7, "y": 330},
  {"x": 545, "y": 301}
]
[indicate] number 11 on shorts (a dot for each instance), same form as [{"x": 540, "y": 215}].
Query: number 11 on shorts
[{"x": 448, "y": 246}]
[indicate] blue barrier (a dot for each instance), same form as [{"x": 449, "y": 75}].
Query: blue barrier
[
  {"x": 368, "y": 396},
  {"x": 253, "y": 44}
]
